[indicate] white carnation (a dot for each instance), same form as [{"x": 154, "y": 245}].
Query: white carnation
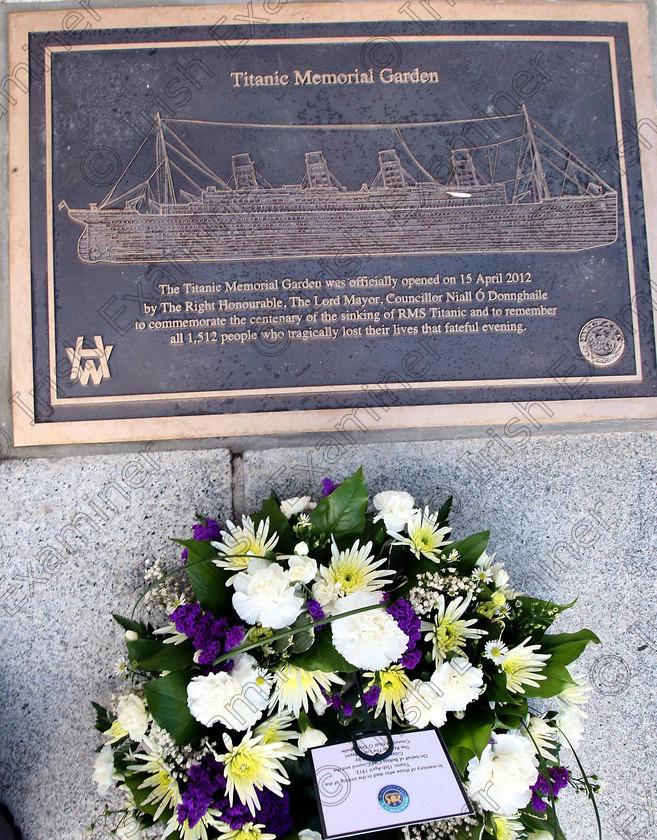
[
  {"x": 309, "y": 834},
  {"x": 291, "y": 506},
  {"x": 129, "y": 827},
  {"x": 501, "y": 779},
  {"x": 312, "y": 738},
  {"x": 132, "y": 716},
  {"x": 326, "y": 594},
  {"x": 540, "y": 835},
  {"x": 423, "y": 705},
  {"x": 104, "y": 770},
  {"x": 265, "y": 594},
  {"x": 395, "y": 508},
  {"x": 458, "y": 683},
  {"x": 302, "y": 568},
  {"x": 237, "y": 700},
  {"x": 370, "y": 640}
]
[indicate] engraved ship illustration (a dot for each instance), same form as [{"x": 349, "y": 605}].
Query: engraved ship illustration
[{"x": 551, "y": 202}]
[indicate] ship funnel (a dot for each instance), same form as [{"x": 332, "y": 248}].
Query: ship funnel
[
  {"x": 244, "y": 173},
  {"x": 391, "y": 170},
  {"x": 317, "y": 170}
]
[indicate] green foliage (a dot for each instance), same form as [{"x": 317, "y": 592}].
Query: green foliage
[
  {"x": 343, "y": 512},
  {"x": 167, "y": 700},
  {"x": 557, "y": 678},
  {"x": 470, "y": 550},
  {"x": 567, "y": 647},
  {"x": 103, "y": 719},
  {"x": 207, "y": 580},
  {"x": 137, "y": 627},
  {"x": 278, "y": 523},
  {"x": 467, "y": 738},
  {"x": 322, "y": 656},
  {"x": 444, "y": 512},
  {"x": 154, "y": 655},
  {"x": 133, "y": 780}
]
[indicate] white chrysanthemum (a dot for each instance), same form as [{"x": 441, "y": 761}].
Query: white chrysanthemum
[
  {"x": 370, "y": 640},
  {"x": 303, "y": 569},
  {"x": 211, "y": 819},
  {"x": 459, "y": 683},
  {"x": 103, "y": 773},
  {"x": 251, "y": 766},
  {"x": 570, "y": 723},
  {"x": 500, "y": 781},
  {"x": 265, "y": 594},
  {"x": 237, "y": 700},
  {"x": 276, "y": 729},
  {"x": 395, "y": 508},
  {"x": 545, "y": 736},
  {"x": 449, "y": 631},
  {"x": 162, "y": 788},
  {"x": 425, "y": 537},
  {"x": 309, "y": 834},
  {"x": 132, "y": 719},
  {"x": 291, "y": 506},
  {"x": 487, "y": 571},
  {"x": 577, "y": 693},
  {"x": 423, "y": 706},
  {"x": 248, "y": 831},
  {"x": 240, "y": 544},
  {"x": 508, "y": 828},
  {"x": 312, "y": 738},
  {"x": 496, "y": 651},
  {"x": 295, "y": 687},
  {"x": 394, "y": 689},
  {"x": 355, "y": 570},
  {"x": 522, "y": 666}
]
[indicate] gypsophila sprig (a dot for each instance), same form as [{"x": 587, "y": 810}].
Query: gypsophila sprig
[{"x": 311, "y": 616}]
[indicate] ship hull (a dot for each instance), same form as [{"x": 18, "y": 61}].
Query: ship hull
[{"x": 564, "y": 224}]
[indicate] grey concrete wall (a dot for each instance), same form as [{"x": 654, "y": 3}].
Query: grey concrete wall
[{"x": 570, "y": 513}]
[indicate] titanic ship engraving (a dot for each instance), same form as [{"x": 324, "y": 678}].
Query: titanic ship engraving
[{"x": 548, "y": 201}]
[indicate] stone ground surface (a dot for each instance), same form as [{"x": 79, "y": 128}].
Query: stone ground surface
[{"x": 569, "y": 515}]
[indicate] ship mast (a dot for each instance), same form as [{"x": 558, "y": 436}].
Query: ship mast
[
  {"x": 166, "y": 193},
  {"x": 538, "y": 173}
]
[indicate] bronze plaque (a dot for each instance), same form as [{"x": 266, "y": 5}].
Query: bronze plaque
[{"x": 286, "y": 217}]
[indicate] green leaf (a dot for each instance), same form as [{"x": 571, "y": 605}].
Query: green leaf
[
  {"x": 207, "y": 580},
  {"x": 468, "y": 738},
  {"x": 444, "y": 512},
  {"x": 154, "y": 655},
  {"x": 470, "y": 550},
  {"x": 557, "y": 679},
  {"x": 322, "y": 656},
  {"x": 535, "y": 824},
  {"x": 129, "y": 624},
  {"x": 343, "y": 512},
  {"x": 567, "y": 647},
  {"x": 278, "y": 523},
  {"x": 167, "y": 701},
  {"x": 103, "y": 719}
]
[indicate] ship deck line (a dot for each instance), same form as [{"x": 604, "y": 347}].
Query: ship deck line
[{"x": 338, "y": 126}]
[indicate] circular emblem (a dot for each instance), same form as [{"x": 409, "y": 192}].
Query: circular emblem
[
  {"x": 601, "y": 342},
  {"x": 393, "y": 798}
]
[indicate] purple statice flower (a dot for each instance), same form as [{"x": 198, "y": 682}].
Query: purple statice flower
[
  {"x": 559, "y": 776},
  {"x": 348, "y": 709},
  {"x": 235, "y": 815},
  {"x": 209, "y": 653},
  {"x": 541, "y": 786},
  {"x": 409, "y": 623},
  {"x": 234, "y": 637},
  {"x": 371, "y": 696},
  {"x": 537, "y": 804},
  {"x": 275, "y": 812},
  {"x": 205, "y": 781},
  {"x": 335, "y": 701},
  {"x": 316, "y": 612},
  {"x": 328, "y": 487},
  {"x": 210, "y": 531},
  {"x": 185, "y": 618}
]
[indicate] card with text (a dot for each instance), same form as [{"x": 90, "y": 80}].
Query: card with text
[{"x": 417, "y": 783}]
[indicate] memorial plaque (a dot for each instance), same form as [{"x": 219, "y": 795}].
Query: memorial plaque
[{"x": 286, "y": 217}]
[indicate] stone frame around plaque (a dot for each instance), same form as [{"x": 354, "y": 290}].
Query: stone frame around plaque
[{"x": 40, "y": 419}]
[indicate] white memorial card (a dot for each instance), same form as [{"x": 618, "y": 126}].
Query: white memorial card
[{"x": 417, "y": 783}]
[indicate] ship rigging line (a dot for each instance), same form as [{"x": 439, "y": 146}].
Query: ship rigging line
[
  {"x": 132, "y": 160},
  {"x": 331, "y": 126},
  {"x": 572, "y": 156}
]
